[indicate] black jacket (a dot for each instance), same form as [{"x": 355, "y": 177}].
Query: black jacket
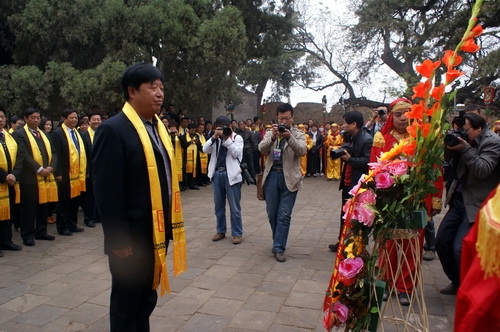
[{"x": 359, "y": 147}]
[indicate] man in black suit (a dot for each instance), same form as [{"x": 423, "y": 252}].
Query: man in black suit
[
  {"x": 70, "y": 172},
  {"x": 36, "y": 180},
  {"x": 90, "y": 215},
  {"x": 138, "y": 199}
]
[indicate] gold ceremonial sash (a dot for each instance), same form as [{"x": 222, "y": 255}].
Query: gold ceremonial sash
[
  {"x": 4, "y": 187},
  {"x": 77, "y": 163}
]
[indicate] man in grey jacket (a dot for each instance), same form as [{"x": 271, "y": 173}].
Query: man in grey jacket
[
  {"x": 478, "y": 173},
  {"x": 282, "y": 176}
]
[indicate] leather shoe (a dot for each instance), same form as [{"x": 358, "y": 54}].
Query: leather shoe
[
  {"x": 280, "y": 257},
  {"x": 333, "y": 247},
  {"x": 66, "y": 232},
  {"x": 90, "y": 224},
  {"x": 218, "y": 237},
  {"x": 45, "y": 237},
  {"x": 1, "y": 254},
  {"x": 194, "y": 188},
  {"x": 77, "y": 229},
  {"x": 403, "y": 298},
  {"x": 236, "y": 239},
  {"x": 429, "y": 255},
  {"x": 449, "y": 290},
  {"x": 11, "y": 246},
  {"x": 29, "y": 243}
]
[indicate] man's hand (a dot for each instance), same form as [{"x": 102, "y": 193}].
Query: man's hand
[
  {"x": 49, "y": 169},
  {"x": 274, "y": 132},
  {"x": 286, "y": 134},
  {"x": 217, "y": 133},
  {"x": 346, "y": 156},
  {"x": 43, "y": 172},
  {"x": 459, "y": 146},
  {"x": 59, "y": 178},
  {"x": 123, "y": 252},
  {"x": 435, "y": 212},
  {"x": 10, "y": 179}
]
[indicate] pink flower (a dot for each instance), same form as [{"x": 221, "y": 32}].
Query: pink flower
[
  {"x": 350, "y": 267},
  {"x": 341, "y": 311},
  {"x": 346, "y": 207},
  {"x": 355, "y": 189},
  {"x": 398, "y": 169},
  {"x": 364, "y": 214},
  {"x": 383, "y": 180},
  {"x": 367, "y": 197}
]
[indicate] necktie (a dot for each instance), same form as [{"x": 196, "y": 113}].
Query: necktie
[
  {"x": 37, "y": 134},
  {"x": 75, "y": 140}
]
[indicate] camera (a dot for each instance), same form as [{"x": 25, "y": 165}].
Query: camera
[
  {"x": 451, "y": 139},
  {"x": 335, "y": 154},
  {"x": 381, "y": 112},
  {"x": 226, "y": 131},
  {"x": 246, "y": 174},
  {"x": 282, "y": 128}
]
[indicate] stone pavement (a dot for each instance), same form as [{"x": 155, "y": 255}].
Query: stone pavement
[{"x": 64, "y": 285}]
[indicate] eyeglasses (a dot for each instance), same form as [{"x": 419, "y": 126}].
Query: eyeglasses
[{"x": 284, "y": 118}]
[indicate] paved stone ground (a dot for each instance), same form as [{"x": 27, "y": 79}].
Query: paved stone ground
[{"x": 64, "y": 285}]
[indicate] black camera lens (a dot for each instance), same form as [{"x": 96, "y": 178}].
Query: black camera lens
[
  {"x": 451, "y": 139},
  {"x": 226, "y": 131},
  {"x": 335, "y": 154},
  {"x": 282, "y": 128},
  {"x": 381, "y": 112}
]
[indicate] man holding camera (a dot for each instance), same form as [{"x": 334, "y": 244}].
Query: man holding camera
[
  {"x": 478, "y": 172},
  {"x": 282, "y": 176},
  {"x": 355, "y": 154},
  {"x": 226, "y": 150},
  {"x": 377, "y": 122}
]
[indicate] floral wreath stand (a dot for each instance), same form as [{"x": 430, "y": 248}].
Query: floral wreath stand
[{"x": 392, "y": 315}]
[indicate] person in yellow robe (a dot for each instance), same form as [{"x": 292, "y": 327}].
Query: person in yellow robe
[
  {"x": 309, "y": 144},
  {"x": 333, "y": 141}
]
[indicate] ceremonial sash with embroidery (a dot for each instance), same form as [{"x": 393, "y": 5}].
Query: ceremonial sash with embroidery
[
  {"x": 191, "y": 152},
  {"x": 4, "y": 187},
  {"x": 47, "y": 187},
  {"x": 203, "y": 155},
  {"x": 160, "y": 249},
  {"x": 77, "y": 163}
]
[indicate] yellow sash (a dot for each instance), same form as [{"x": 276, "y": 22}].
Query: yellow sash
[
  {"x": 191, "y": 152},
  {"x": 488, "y": 235},
  {"x": 91, "y": 134},
  {"x": 47, "y": 187},
  {"x": 77, "y": 164},
  {"x": 203, "y": 155},
  {"x": 4, "y": 187},
  {"x": 160, "y": 251},
  {"x": 178, "y": 157}
]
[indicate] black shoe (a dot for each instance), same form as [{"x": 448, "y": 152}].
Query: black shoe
[
  {"x": 194, "y": 188},
  {"x": 65, "y": 232},
  {"x": 403, "y": 298},
  {"x": 11, "y": 246},
  {"x": 1, "y": 254},
  {"x": 386, "y": 295},
  {"x": 183, "y": 188},
  {"x": 45, "y": 237},
  {"x": 29, "y": 243},
  {"x": 333, "y": 247},
  {"x": 280, "y": 257},
  {"x": 90, "y": 223},
  {"x": 449, "y": 290},
  {"x": 77, "y": 229}
]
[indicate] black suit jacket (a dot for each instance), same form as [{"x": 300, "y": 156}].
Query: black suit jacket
[
  {"x": 60, "y": 142},
  {"x": 30, "y": 166},
  {"x": 121, "y": 187}
]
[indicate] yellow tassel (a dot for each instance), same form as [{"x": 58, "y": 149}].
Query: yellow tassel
[
  {"x": 164, "y": 284},
  {"x": 17, "y": 190},
  {"x": 4, "y": 213},
  {"x": 180, "y": 262}
]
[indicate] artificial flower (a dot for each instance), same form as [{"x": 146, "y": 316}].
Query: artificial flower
[
  {"x": 427, "y": 67},
  {"x": 469, "y": 46},
  {"x": 438, "y": 92},
  {"x": 476, "y": 31},
  {"x": 350, "y": 267},
  {"x": 435, "y": 107},
  {"x": 398, "y": 168},
  {"x": 452, "y": 75},
  {"x": 392, "y": 153},
  {"x": 367, "y": 197},
  {"x": 364, "y": 214},
  {"x": 409, "y": 149},
  {"x": 383, "y": 180},
  {"x": 412, "y": 129},
  {"x": 426, "y": 127},
  {"x": 421, "y": 89},
  {"x": 341, "y": 311},
  {"x": 451, "y": 59},
  {"x": 417, "y": 111}
]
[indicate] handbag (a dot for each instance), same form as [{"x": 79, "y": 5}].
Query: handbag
[{"x": 260, "y": 189}]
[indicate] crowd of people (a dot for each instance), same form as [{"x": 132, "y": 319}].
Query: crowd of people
[{"x": 132, "y": 169}]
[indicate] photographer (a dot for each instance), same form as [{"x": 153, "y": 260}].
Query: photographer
[
  {"x": 355, "y": 155},
  {"x": 378, "y": 120},
  {"x": 226, "y": 149},
  {"x": 478, "y": 172},
  {"x": 282, "y": 176}
]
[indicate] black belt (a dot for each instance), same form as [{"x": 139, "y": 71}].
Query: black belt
[
  {"x": 277, "y": 169},
  {"x": 220, "y": 169}
]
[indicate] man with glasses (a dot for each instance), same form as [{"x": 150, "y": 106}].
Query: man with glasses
[
  {"x": 478, "y": 173},
  {"x": 378, "y": 120},
  {"x": 282, "y": 176}
]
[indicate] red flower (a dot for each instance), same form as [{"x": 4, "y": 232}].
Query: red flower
[
  {"x": 469, "y": 46},
  {"x": 433, "y": 109},
  {"x": 426, "y": 127},
  {"x": 421, "y": 89},
  {"x": 427, "y": 67},
  {"x": 417, "y": 111},
  {"x": 409, "y": 149},
  {"x": 438, "y": 92},
  {"x": 476, "y": 31},
  {"x": 452, "y": 75},
  {"x": 412, "y": 129},
  {"x": 451, "y": 59}
]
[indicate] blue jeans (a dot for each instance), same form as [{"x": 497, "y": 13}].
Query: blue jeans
[
  {"x": 222, "y": 189},
  {"x": 279, "y": 203}
]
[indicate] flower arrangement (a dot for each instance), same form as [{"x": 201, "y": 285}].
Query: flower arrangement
[{"x": 396, "y": 184}]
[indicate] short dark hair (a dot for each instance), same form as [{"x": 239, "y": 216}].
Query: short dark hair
[
  {"x": 163, "y": 117},
  {"x": 137, "y": 74},
  {"x": 256, "y": 118},
  {"x": 94, "y": 114},
  {"x": 472, "y": 107},
  {"x": 476, "y": 121},
  {"x": 30, "y": 111},
  {"x": 66, "y": 112},
  {"x": 208, "y": 122},
  {"x": 354, "y": 116},
  {"x": 284, "y": 107},
  {"x": 14, "y": 118},
  {"x": 191, "y": 126}
]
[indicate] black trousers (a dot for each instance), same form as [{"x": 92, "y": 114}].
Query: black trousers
[
  {"x": 345, "y": 197},
  {"x": 89, "y": 206},
  {"x": 33, "y": 215},
  {"x": 132, "y": 297},
  {"x": 66, "y": 208}
]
